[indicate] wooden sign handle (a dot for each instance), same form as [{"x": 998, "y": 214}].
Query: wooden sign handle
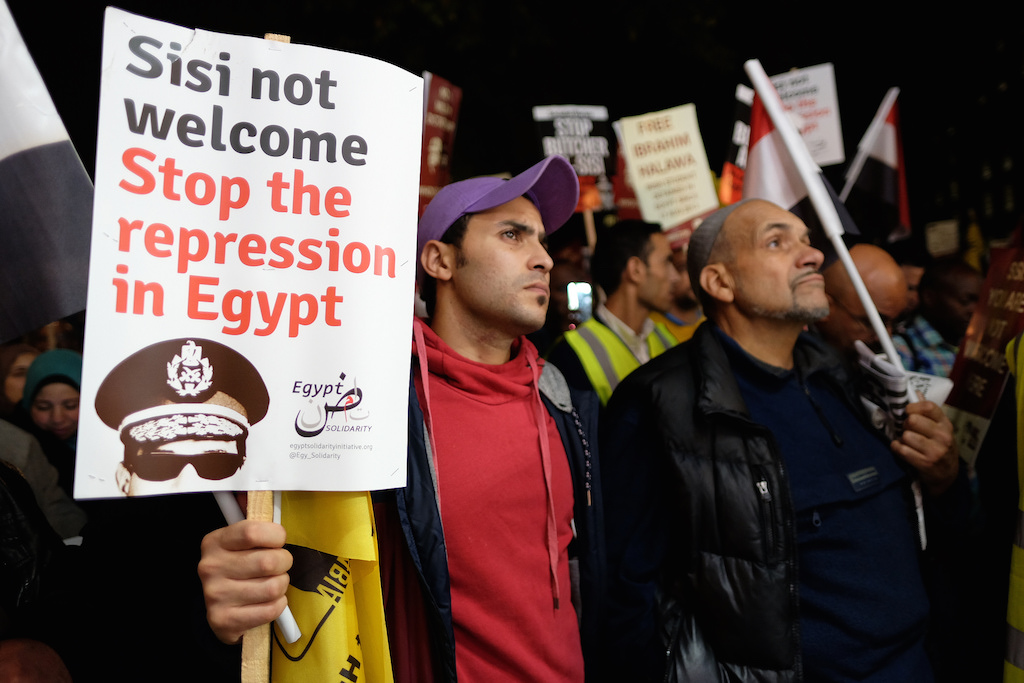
[
  {"x": 256, "y": 641},
  {"x": 590, "y": 229}
]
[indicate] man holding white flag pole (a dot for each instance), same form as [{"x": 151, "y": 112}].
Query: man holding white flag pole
[
  {"x": 760, "y": 527},
  {"x": 823, "y": 205},
  {"x": 825, "y": 208}
]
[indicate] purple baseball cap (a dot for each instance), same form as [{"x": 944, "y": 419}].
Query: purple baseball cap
[{"x": 552, "y": 186}]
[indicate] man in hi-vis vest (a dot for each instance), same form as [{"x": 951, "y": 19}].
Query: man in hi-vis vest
[
  {"x": 632, "y": 264},
  {"x": 1013, "y": 667}
]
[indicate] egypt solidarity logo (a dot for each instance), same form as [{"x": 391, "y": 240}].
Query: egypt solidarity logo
[{"x": 324, "y": 401}]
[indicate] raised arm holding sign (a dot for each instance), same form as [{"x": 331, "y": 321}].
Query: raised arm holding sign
[
  {"x": 253, "y": 218},
  {"x": 493, "y": 430}
]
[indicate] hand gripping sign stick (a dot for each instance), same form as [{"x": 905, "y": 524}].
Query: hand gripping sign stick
[
  {"x": 826, "y": 210},
  {"x": 264, "y": 506}
]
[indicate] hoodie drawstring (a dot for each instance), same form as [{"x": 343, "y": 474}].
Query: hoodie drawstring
[{"x": 545, "y": 456}]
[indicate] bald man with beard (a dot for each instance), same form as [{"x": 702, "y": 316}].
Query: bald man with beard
[
  {"x": 758, "y": 527},
  {"x": 847, "y": 319}
]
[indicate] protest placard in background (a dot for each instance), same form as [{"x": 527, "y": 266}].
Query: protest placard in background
[
  {"x": 980, "y": 372},
  {"x": 730, "y": 186},
  {"x": 252, "y": 265},
  {"x": 809, "y": 95},
  {"x": 583, "y": 135},
  {"x": 668, "y": 167},
  {"x": 441, "y": 104}
]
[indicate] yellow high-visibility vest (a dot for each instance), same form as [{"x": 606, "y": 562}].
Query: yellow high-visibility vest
[
  {"x": 605, "y": 357},
  {"x": 1013, "y": 667},
  {"x": 680, "y": 332}
]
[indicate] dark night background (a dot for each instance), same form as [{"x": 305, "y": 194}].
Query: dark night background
[{"x": 960, "y": 73}]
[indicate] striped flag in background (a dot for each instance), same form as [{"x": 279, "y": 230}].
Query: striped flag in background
[
  {"x": 771, "y": 174},
  {"x": 876, "y": 182},
  {"x": 45, "y": 199}
]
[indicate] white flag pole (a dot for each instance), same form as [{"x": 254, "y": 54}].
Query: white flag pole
[
  {"x": 826, "y": 210},
  {"x": 868, "y": 141},
  {"x": 820, "y": 198}
]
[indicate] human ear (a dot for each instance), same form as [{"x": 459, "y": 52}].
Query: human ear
[
  {"x": 438, "y": 260},
  {"x": 717, "y": 282},
  {"x": 636, "y": 269}
]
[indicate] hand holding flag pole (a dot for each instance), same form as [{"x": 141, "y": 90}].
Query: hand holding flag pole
[{"x": 820, "y": 198}]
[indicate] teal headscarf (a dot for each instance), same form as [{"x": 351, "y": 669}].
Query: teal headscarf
[{"x": 58, "y": 365}]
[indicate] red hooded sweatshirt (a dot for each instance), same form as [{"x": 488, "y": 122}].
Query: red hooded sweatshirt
[{"x": 506, "y": 504}]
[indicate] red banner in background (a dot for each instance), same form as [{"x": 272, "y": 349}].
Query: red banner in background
[
  {"x": 980, "y": 373},
  {"x": 440, "y": 119},
  {"x": 627, "y": 207}
]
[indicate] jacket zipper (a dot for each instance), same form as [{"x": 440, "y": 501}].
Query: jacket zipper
[
  {"x": 587, "y": 458},
  {"x": 768, "y": 511},
  {"x": 671, "y": 646}
]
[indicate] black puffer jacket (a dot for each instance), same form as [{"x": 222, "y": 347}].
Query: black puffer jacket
[{"x": 701, "y": 532}]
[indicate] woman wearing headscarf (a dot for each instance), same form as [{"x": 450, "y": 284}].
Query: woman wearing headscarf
[{"x": 49, "y": 408}]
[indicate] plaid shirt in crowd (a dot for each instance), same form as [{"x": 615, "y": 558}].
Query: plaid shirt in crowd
[{"x": 922, "y": 349}]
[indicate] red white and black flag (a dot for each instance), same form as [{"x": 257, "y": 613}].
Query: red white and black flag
[
  {"x": 876, "y": 183},
  {"x": 772, "y": 174},
  {"x": 45, "y": 199}
]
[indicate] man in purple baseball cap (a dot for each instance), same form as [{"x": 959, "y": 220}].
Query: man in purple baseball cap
[
  {"x": 551, "y": 186},
  {"x": 498, "y": 441}
]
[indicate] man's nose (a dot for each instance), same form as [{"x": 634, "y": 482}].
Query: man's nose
[
  {"x": 541, "y": 259},
  {"x": 812, "y": 256}
]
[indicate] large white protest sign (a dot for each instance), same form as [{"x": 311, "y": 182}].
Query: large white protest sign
[
  {"x": 809, "y": 95},
  {"x": 252, "y": 266},
  {"x": 668, "y": 166}
]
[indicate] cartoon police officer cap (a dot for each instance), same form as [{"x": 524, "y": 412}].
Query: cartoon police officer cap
[{"x": 183, "y": 401}]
